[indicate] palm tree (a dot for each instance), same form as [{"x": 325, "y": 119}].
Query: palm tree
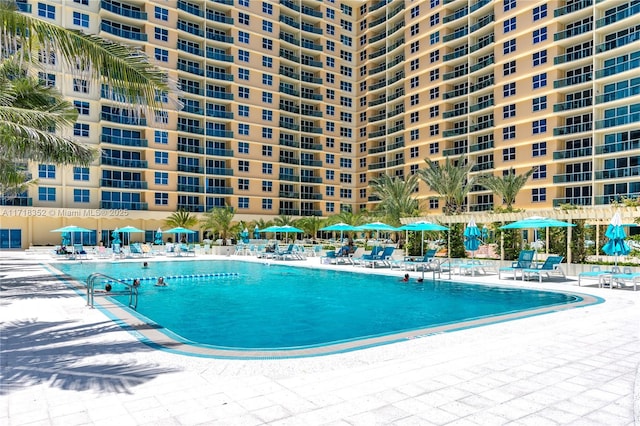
[
  {"x": 219, "y": 220},
  {"x": 24, "y": 130},
  {"x": 310, "y": 225},
  {"x": 30, "y": 110},
  {"x": 350, "y": 217},
  {"x": 506, "y": 187},
  {"x": 283, "y": 220},
  {"x": 451, "y": 181},
  {"x": 397, "y": 197},
  {"x": 181, "y": 218}
]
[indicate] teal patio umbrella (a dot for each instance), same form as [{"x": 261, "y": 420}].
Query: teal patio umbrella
[
  {"x": 377, "y": 226},
  {"x": 158, "y": 237},
  {"x": 68, "y": 231},
  {"x": 342, "y": 227},
  {"x": 537, "y": 222},
  {"x": 422, "y": 226},
  {"x": 179, "y": 230},
  {"x": 128, "y": 230},
  {"x": 472, "y": 237},
  {"x": 284, "y": 228},
  {"x": 616, "y": 246}
]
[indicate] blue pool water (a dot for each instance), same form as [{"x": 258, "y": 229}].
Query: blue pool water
[{"x": 280, "y": 306}]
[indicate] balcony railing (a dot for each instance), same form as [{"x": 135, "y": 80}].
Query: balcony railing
[
  {"x": 622, "y": 172},
  {"x": 123, "y": 205},
  {"x": 129, "y": 13},
  {"x": 571, "y": 81},
  {"x": 572, "y": 153},
  {"x": 121, "y": 162},
  {"x": 128, "y": 184},
  {"x": 573, "y": 177},
  {"x": 623, "y": 14},
  {"x": 572, "y": 7}
]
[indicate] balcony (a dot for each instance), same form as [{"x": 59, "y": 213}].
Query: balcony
[
  {"x": 218, "y": 56},
  {"x": 190, "y": 188},
  {"x": 572, "y": 153},
  {"x": 18, "y": 201},
  {"x": 289, "y": 160},
  {"x": 184, "y": 26},
  {"x": 456, "y": 15},
  {"x": 616, "y": 198},
  {"x": 455, "y": 132},
  {"x": 623, "y": 14},
  {"x": 190, "y": 168},
  {"x": 455, "y": 113},
  {"x": 377, "y": 166},
  {"x": 193, "y": 149},
  {"x": 481, "y": 126},
  {"x": 610, "y": 148},
  {"x": 123, "y": 205},
  {"x": 119, "y": 32},
  {"x": 455, "y": 54},
  {"x": 117, "y": 140},
  {"x": 572, "y": 8},
  {"x": 455, "y": 74},
  {"x": 216, "y": 94},
  {"x": 573, "y": 56},
  {"x": 571, "y": 105},
  {"x": 487, "y": 82},
  {"x": 289, "y": 125},
  {"x": 621, "y": 67},
  {"x": 220, "y": 152},
  {"x": 219, "y": 114},
  {"x": 127, "y": 184},
  {"x": 289, "y": 212},
  {"x": 26, "y": 8},
  {"x": 482, "y": 166},
  {"x": 574, "y": 201},
  {"x": 220, "y": 76},
  {"x": 461, "y": 32},
  {"x": 311, "y": 196},
  {"x": 455, "y": 93},
  {"x": 618, "y": 42},
  {"x": 311, "y": 28},
  {"x": 488, "y": 61},
  {"x": 618, "y": 121},
  {"x": 572, "y": 32},
  {"x": 289, "y": 177},
  {"x": 190, "y": 69},
  {"x": 483, "y": 22},
  {"x": 220, "y": 190},
  {"x": 289, "y": 143},
  {"x": 573, "y": 177},
  {"x": 573, "y": 129},
  {"x": 121, "y": 162},
  {"x": 481, "y": 146},
  {"x": 189, "y": 8},
  {"x": 126, "y": 12},
  {"x": 481, "y": 105},
  {"x": 459, "y": 150},
  {"x": 219, "y": 133},
  {"x": 622, "y": 172},
  {"x": 197, "y": 130},
  {"x": 618, "y": 94},
  {"x": 289, "y": 194},
  {"x": 486, "y": 41},
  {"x": 311, "y": 163},
  {"x": 312, "y": 146},
  {"x": 218, "y": 171},
  {"x": 123, "y": 119},
  {"x": 193, "y": 208},
  {"x": 572, "y": 81},
  {"x": 219, "y": 17}
]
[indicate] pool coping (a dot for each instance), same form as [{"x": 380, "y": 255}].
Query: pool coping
[{"x": 157, "y": 337}]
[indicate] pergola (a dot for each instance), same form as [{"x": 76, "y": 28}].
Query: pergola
[{"x": 598, "y": 215}]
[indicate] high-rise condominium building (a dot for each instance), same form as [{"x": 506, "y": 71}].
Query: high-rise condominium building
[{"x": 293, "y": 107}]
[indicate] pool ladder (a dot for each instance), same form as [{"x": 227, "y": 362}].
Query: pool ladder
[{"x": 98, "y": 278}]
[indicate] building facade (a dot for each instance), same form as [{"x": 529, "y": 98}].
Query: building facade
[{"x": 293, "y": 107}]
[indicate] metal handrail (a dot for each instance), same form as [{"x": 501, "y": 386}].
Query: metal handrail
[{"x": 97, "y": 276}]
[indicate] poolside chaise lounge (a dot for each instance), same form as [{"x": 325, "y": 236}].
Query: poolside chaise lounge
[
  {"x": 471, "y": 266},
  {"x": 597, "y": 273},
  {"x": 409, "y": 262},
  {"x": 375, "y": 251},
  {"x": 525, "y": 258},
  {"x": 626, "y": 279},
  {"x": 551, "y": 266},
  {"x": 381, "y": 260}
]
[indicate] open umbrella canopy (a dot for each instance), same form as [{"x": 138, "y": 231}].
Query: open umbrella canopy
[
  {"x": 71, "y": 228},
  {"x": 342, "y": 227},
  {"x": 536, "y": 222},
  {"x": 472, "y": 236},
  {"x": 128, "y": 229},
  {"x": 616, "y": 246},
  {"x": 283, "y": 228},
  {"x": 179, "y": 230},
  {"x": 423, "y": 225},
  {"x": 376, "y": 226}
]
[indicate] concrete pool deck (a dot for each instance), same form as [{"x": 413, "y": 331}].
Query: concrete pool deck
[{"x": 64, "y": 363}]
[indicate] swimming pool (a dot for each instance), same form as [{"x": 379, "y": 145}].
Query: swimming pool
[{"x": 253, "y": 308}]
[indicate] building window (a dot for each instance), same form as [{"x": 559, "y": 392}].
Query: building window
[
  {"x": 243, "y": 166},
  {"x": 243, "y": 147},
  {"x": 539, "y": 35},
  {"x": 161, "y": 178},
  {"x": 434, "y": 38},
  {"x": 414, "y": 64},
  {"x": 434, "y": 19},
  {"x": 414, "y": 134},
  {"x": 539, "y": 58},
  {"x": 434, "y": 111},
  {"x": 434, "y": 56},
  {"x": 434, "y": 129},
  {"x": 243, "y": 37},
  {"x": 509, "y": 89},
  {"x": 509, "y": 4},
  {"x": 82, "y": 107},
  {"x": 243, "y": 184},
  {"x": 267, "y": 44},
  {"x": 161, "y": 34},
  {"x": 161, "y": 157},
  {"x": 161, "y": 198},
  {"x": 80, "y": 195},
  {"x": 243, "y": 110},
  {"x": 509, "y": 46},
  {"x": 81, "y": 130},
  {"x": 509, "y": 68},
  {"x": 539, "y": 149},
  {"x": 540, "y": 172},
  {"x": 539, "y": 103},
  {"x": 415, "y": 11},
  {"x": 508, "y": 154},
  {"x": 267, "y": 204},
  {"x": 539, "y": 126},
  {"x": 538, "y": 195},
  {"x": 81, "y": 173},
  {"x": 267, "y": 186},
  {"x": 509, "y": 132},
  {"x": 509, "y": 111},
  {"x": 434, "y": 203},
  {"x": 434, "y": 147},
  {"x": 243, "y": 55},
  {"x": 243, "y": 74},
  {"x": 80, "y": 85},
  {"x": 161, "y": 55},
  {"x": 414, "y": 152},
  {"x": 509, "y": 25},
  {"x": 243, "y": 129},
  {"x": 267, "y": 8},
  {"x": 161, "y": 14},
  {"x": 46, "y": 171},
  {"x": 539, "y": 12},
  {"x": 540, "y": 80},
  {"x": 434, "y": 93},
  {"x": 161, "y": 137},
  {"x": 243, "y": 18},
  {"x": 267, "y": 26},
  {"x": 414, "y": 99},
  {"x": 415, "y": 29},
  {"x": 46, "y": 11},
  {"x": 46, "y": 193},
  {"x": 267, "y": 97},
  {"x": 81, "y": 19},
  {"x": 243, "y": 92}
]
